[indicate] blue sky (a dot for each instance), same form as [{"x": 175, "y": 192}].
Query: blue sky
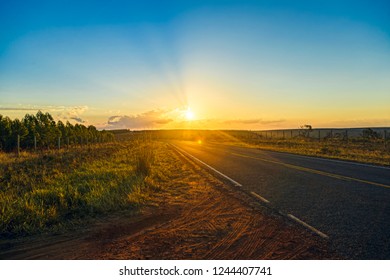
[{"x": 235, "y": 64}]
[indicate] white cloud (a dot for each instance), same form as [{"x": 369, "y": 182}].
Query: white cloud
[
  {"x": 176, "y": 118},
  {"x": 147, "y": 120},
  {"x": 253, "y": 121},
  {"x": 63, "y": 113},
  {"x": 72, "y": 113}
]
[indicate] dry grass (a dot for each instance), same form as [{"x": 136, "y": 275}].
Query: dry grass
[
  {"x": 40, "y": 192},
  {"x": 373, "y": 151}
]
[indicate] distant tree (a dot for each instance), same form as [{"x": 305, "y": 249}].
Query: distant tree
[
  {"x": 70, "y": 132},
  {"x": 30, "y": 122},
  {"x": 305, "y": 130},
  {"x": 62, "y": 131},
  {"x": 46, "y": 131},
  {"x": 5, "y": 133},
  {"x": 370, "y": 134}
]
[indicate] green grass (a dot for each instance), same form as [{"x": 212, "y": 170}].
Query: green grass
[{"x": 44, "y": 192}]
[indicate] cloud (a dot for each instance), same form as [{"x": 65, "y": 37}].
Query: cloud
[
  {"x": 60, "y": 112},
  {"x": 80, "y": 120},
  {"x": 147, "y": 120},
  {"x": 71, "y": 113},
  {"x": 355, "y": 123},
  {"x": 249, "y": 121},
  {"x": 175, "y": 118},
  {"x": 253, "y": 121},
  {"x": 18, "y": 109}
]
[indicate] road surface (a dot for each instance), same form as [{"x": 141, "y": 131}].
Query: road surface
[{"x": 348, "y": 203}]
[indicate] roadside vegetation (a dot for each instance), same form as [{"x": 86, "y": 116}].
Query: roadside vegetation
[
  {"x": 368, "y": 148},
  {"x": 53, "y": 189},
  {"x": 359, "y": 151}
]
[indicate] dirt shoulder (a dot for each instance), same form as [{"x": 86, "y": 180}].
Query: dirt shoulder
[{"x": 194, "y": 216}]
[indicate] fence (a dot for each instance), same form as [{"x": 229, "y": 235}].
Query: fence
[
  {"x": 359, "y": 136},
  {"x": 326, "y": 133},
  {"x": 59, "y": 143}
]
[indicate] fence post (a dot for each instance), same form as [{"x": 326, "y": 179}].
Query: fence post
[
  {"x": 59, "y": 143},
  {"x": 35, "y": 143},
  {"x": 18, "y": 144}
]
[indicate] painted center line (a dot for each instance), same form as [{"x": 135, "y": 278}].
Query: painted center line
[{"x": 323, "y": 173}]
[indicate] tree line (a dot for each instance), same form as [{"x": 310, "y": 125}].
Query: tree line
[{"x": 42, "y": 131}]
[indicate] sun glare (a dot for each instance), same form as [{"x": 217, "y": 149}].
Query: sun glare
[{"x": 189, "y": 114}]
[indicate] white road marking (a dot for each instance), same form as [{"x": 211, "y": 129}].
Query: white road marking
[
  {"x": 314, "y": 171},
  {"x": 323, "y": 235},
  {"x": 326, "y": 159},
  {"x": 235, "y": 183},
  {"x": 260, "y": 197}
]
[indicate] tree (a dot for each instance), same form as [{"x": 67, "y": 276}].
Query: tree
[
  {"x": 305, "y": 130},
  {"x": 30, "y": 122},
  {"x": 370, "y": 134},
  {"x": 46, "y": 131},
  {"x": 5, "y": 133}
]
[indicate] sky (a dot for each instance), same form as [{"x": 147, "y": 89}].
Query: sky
[{"x": 197, "y": 64}]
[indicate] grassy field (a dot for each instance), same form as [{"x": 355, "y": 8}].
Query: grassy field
[
  {"x": 354, "y": 150},
  {"x": 51, "y": 190}
]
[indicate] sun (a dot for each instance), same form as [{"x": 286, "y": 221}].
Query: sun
[{"x": 189, "y": 114}]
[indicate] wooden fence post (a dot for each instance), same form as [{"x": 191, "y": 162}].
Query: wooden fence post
[
  {"x": 35, "y": 143},
  {"x": 18, "y": 144}
]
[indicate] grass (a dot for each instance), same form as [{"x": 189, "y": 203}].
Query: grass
[
  {"x": 372, "y": 151},
  {"x": 50, "y": 190}
]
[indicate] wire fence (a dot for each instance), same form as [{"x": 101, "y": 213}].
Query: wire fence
[
  {"x": 57, "y": 143},
  {"x": 327, "y": 134},
  {"x": 365, "y": 138}
]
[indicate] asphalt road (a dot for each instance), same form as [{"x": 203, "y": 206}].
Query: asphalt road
[{"x": 347, "y": 202}]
